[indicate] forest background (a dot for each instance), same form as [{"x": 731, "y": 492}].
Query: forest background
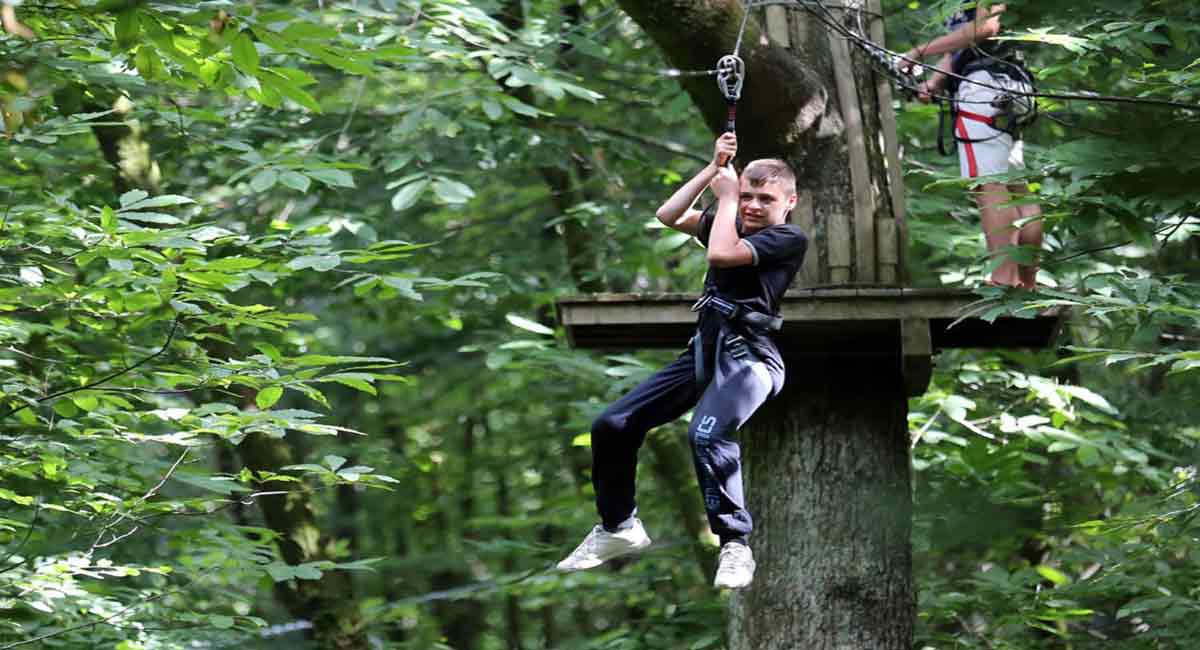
[{"x": 280, "y": 365}]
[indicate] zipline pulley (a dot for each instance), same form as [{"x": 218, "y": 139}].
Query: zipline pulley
[{"x": 731, "y": 72}]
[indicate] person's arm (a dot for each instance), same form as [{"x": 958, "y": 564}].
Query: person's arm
[
  {"x": 677, "y": 212},
  {"x": 985, "y": 26},
  {"x": 934, "y": 84},
  {"x": 725, "y": 247}
]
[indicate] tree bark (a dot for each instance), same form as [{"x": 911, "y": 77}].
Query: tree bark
[{"x": 828, "y": 465}]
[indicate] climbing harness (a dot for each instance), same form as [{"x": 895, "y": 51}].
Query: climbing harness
[
  {"x": 1015, "y": 100},
  {"x": 735, "y": 344},
  {"x": 736, "y": 312}
]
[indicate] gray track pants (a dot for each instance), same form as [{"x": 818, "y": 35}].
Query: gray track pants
[{"x": 739, "y": 385}]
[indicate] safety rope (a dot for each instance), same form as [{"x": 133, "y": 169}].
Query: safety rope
[{"x": 731, "y": 76}]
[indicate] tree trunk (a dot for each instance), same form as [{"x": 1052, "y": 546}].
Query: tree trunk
[
  {"x": 329, "y": 601},
  {"x": 827, "y": 462}
]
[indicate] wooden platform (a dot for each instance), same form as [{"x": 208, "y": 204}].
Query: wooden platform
[{"x": 816, "y": 321}]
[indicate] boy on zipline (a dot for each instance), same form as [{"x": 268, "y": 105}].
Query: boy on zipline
[
  {"x": 730, "y": 368},
  {"x": 988, "y": 143}
]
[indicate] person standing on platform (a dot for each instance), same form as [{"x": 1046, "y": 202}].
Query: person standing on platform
[{"x": 991, "y": 90}]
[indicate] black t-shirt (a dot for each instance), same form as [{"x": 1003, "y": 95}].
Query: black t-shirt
[{"x": 778, "y": 254}]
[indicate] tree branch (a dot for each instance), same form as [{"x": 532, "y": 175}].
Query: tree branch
[
  {"x": 102, "y": 621},
  {"x": 167, "y": 344}
]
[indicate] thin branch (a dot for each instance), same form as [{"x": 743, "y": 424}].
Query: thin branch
[
  {"x": 102, "y": 621},
  {"x": 167, "y": 344},
  {"x": 921, "y": 432},
  {"x": 1107, "y": 247},
  {"x": 125, "y": 515},
  {"x": 672, "y": 147}
]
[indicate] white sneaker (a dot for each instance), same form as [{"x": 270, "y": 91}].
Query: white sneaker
[
  {"x": 601, "y": 546},
  {"x": 736, "y": 569}
]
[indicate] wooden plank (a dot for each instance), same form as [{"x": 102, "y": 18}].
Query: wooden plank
[
  {"x": 860, "y": 171},
  {"x": 916, "y": 355},
  {"x": 821, "y": 321},
  {"x": 777, "y": 25},
  {"x": 806, "y": 218},
  {"x": 891, "y": 145},
  {"x": 888, "y": 250},
  {"x": 837, "y": 247}
]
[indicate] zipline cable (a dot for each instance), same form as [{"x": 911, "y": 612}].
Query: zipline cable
[{"x": 731, "y": 74}]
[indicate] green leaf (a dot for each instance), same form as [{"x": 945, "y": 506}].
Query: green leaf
[
  {"x": 519, "y": 107},
  {"x": 295, "y": 180},
  {"x": 245, "y": 55},
  {"x": 127, "y": 28},
  {"x": 492, "y": 109},
  {"x": 264, "y": 180},
  {"x": 280, "y": 571},
  {"x": 161, "y": 201},
  {"x": 267, "y": 397},
  {"x": 671, "y": 242},
  {"x": 235, "y": 263},
  {"x": 315, "y": 262},
  {"x": 131, "y": 197},
  {"x": 332, "y": 177},
  {"x": 529, "y": 325},
  {"x": 452, "y": 191},
  {"x": 108, "y": 220},
  {"x": 333, "y": 462},
  {"x": 149, "y": 64},
  {"x": 408, "y": 195},
  {"x": 286, "y": 87},
  {"x": 1053, "y": 575},
  {"x": 150, "y": 217},
  {"x": 9, "y": 495},
  {"x": 353, "y": 382}
]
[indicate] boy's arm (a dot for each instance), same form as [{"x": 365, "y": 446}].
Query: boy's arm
[
  {"x": 677, "y": 212},
  {"x": 725, "y": 247},
  {"x": 985, "y": 26}
]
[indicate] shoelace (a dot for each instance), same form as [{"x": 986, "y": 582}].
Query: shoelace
[
  {"x": 590, "y": 543},
  {"x": 734, "y": 559}
]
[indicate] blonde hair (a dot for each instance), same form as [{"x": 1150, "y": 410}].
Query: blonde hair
[{"x": 770, "y": 170}]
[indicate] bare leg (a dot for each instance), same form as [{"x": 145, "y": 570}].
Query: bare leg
[
  {"x": 998, "y": 230},
  {"x": 1029, "y": 235}
]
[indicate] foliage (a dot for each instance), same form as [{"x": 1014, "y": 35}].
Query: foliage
[{"x": 324, "y": 220}]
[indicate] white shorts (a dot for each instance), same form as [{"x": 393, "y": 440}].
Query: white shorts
[{"x": 983, "y": 149}]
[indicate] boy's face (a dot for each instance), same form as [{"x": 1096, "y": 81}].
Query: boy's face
[{"x": 766, "y": 204}]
